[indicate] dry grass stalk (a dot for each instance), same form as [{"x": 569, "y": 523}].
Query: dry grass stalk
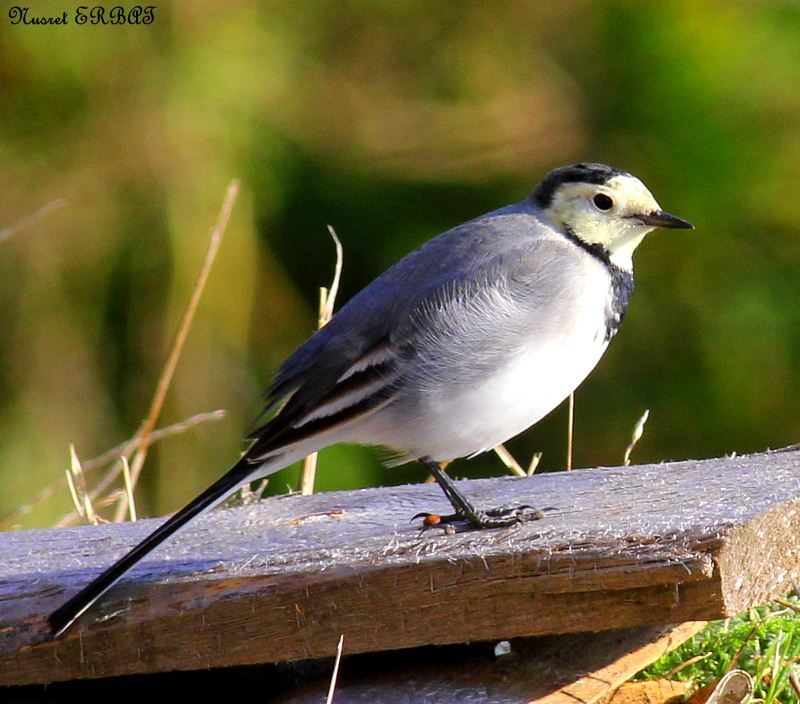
[
  {"x": 794, "y": 679},
  {"x": 248, "y": 495},
  {"x": 327, "y": 299},
  {"x": 125, "y": 449},
  {"x": 138, "y": 446},
  {"x": 146, "y": 430},
  {"x": 513, "y": 465},
  {"x": 570, "y": 430},
  {"x": 32, "y": 219},
  {"x": 76, "y": 479},
  {"x": 509, "y": 461},
  {"x": 753, "y": 631},
  {"x": 537, "y": 457},
  {"x": 73, "y": 492},
  {"x": 686, "y": 663},
  {"x": 129, "y": 447},
  {"x": 638, "y": 431},
  {"x": 126, "y": 477},
  {"x": 335, "y": 674},
  {"x": 788, "y": 604}
]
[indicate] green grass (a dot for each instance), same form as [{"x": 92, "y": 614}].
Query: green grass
[{"x": 764, "y": 642}]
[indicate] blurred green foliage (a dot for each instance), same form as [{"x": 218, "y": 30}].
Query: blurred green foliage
[{"x": 391, "y": 121}]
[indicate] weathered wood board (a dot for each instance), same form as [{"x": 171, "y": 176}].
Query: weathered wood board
[
  {"x": 573, "y": 668},
  {"x": 281, "y": 580}
]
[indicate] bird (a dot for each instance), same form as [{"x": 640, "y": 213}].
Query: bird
[{"x": 464, "y": 343}]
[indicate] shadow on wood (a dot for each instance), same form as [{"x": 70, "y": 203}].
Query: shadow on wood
[
  {"x": 281, "y": 580},
  {"x": 585, "y": 668},
  {"x": 576, "y": 668}
]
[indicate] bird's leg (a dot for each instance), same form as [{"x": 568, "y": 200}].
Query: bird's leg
[
  {"x": 465, "y": 511},
  {"x": 463, "y": 506}
]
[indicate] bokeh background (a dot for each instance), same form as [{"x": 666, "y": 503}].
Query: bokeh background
[{"x": 391, "y": 121}]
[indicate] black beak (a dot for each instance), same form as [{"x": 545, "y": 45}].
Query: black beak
[{"x": 661, "y": 219}]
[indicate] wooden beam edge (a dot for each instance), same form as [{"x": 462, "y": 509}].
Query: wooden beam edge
[{"x": 760, "y": 560}]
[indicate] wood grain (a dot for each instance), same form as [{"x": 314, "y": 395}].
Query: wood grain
[{"x": 281, "y": 580}]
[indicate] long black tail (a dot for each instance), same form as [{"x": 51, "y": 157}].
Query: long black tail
[{"x": 63, "y": 617}]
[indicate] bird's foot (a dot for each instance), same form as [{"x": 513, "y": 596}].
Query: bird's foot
[
  {"x": 509, "y": 515},
  {"x": 501, "y": 517}
]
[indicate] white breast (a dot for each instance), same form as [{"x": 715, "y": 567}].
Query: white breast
[
  {"x": 531, "y": 385},
  {"x": 450, "y": 421}
]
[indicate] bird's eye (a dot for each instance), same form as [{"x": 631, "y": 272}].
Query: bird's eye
[{"x": 603, "y": 202}]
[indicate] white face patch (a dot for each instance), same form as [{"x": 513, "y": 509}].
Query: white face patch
[{"x": 605, "y": 214}]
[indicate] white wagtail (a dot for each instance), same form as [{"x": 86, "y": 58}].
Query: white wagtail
[{"x": 463, "y": 344}]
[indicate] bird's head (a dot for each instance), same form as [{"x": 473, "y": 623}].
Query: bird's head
[{"x": 602, "y": 206}]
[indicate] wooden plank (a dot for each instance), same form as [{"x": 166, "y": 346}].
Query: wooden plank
[
  {"x": 650, "y": 692},
  {"x": 282, "y": 580},
  {"x": 567, "y": 669}
]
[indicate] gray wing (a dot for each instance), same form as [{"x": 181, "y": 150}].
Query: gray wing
[
  {"x": 467, "y": 329},
  {"x": 453, "y": 304}
]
